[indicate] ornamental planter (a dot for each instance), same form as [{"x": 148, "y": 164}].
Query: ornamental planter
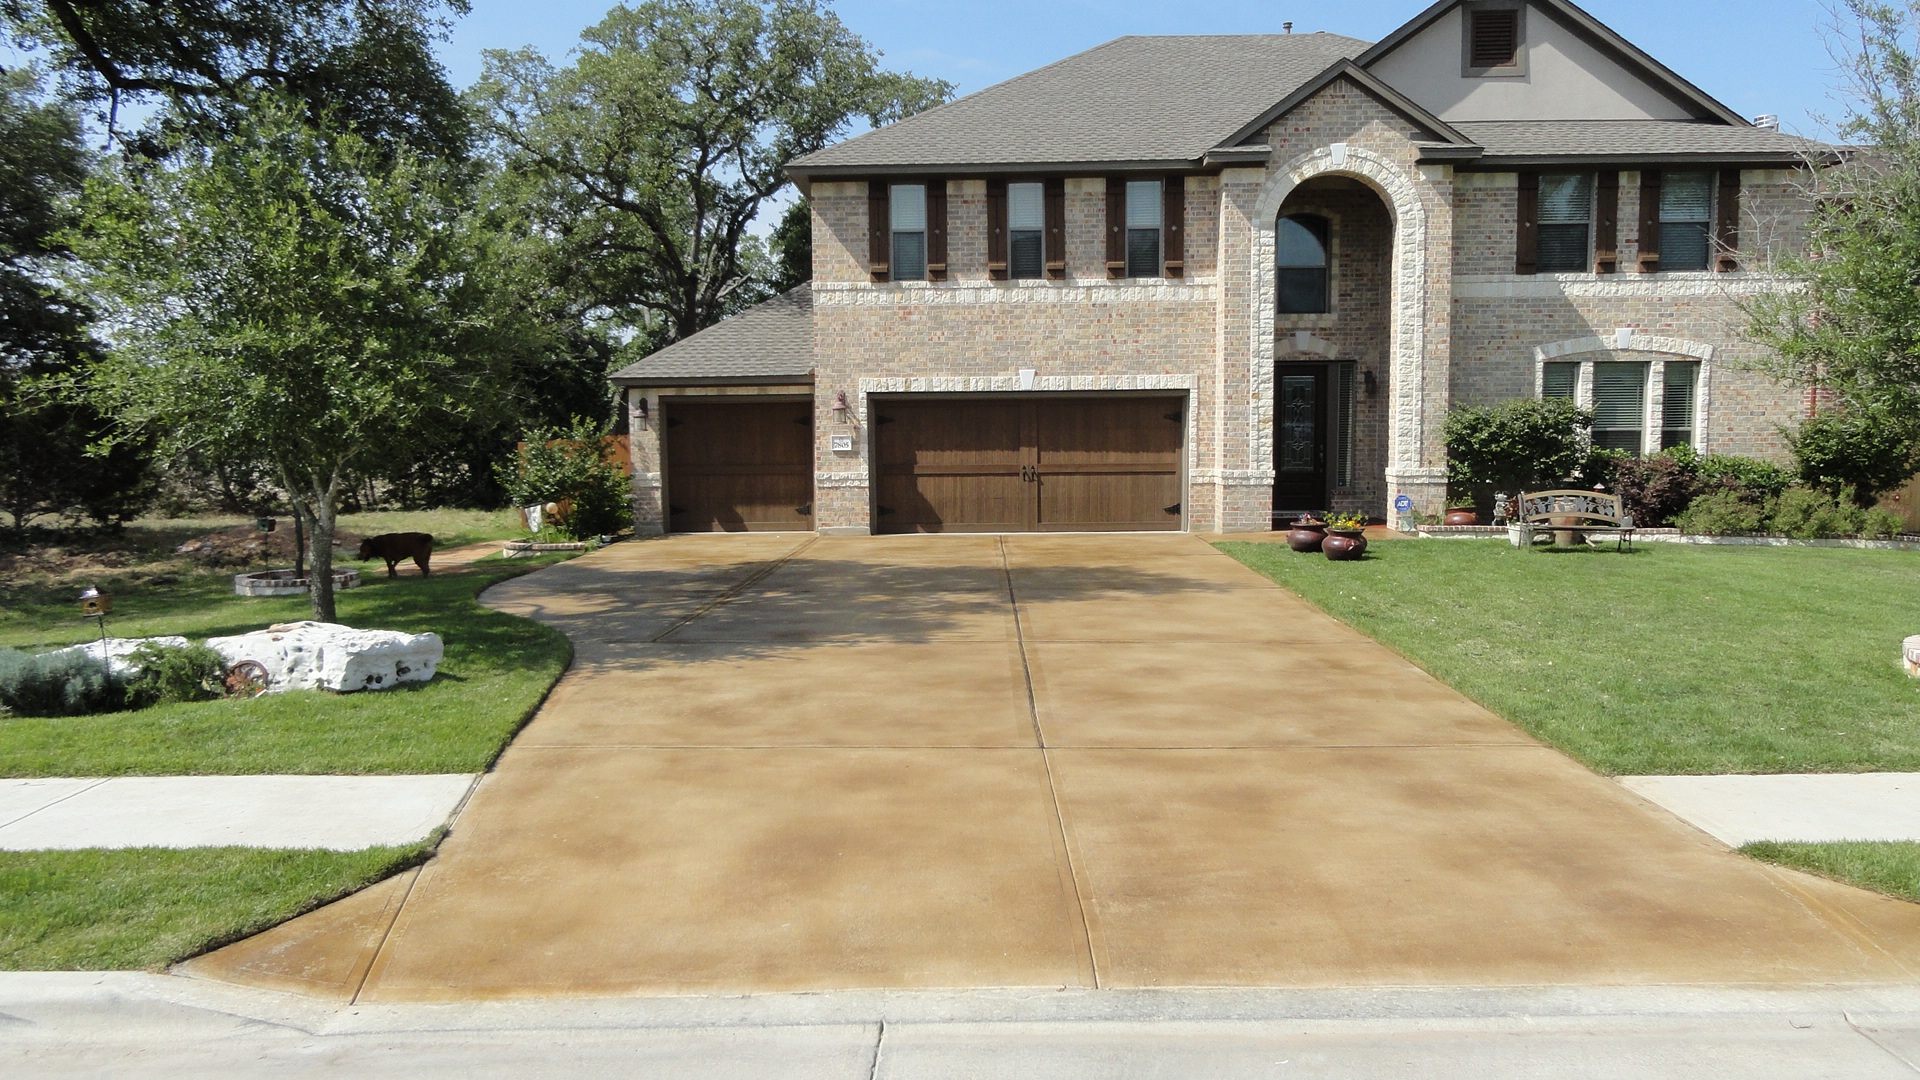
[
  {"x": 1306, "y": 535},
  {"x": 1345, "y": 545},
  {"x": 1462, "y": 515}
]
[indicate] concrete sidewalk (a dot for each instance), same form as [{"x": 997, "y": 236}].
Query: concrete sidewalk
[
  {"x": 787, "y": 763},
  {"x": 344, "y": 813},
  {"x": 1739, "y": 810},
  {"x": 158, "y": 1027}
]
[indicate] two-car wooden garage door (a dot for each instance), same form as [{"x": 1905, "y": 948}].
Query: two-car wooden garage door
[{"x": 1063, "y": 464}]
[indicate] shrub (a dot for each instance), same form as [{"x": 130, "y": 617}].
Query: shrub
[
  {"x": 1759, "y": 479},
  {"x": 1810, "y": 514},
  {"x": 1514, "y": 446},
  {"x": 50, "y": 684},
  {"x": 171, "y": 673},
  {"x": 1656, "y": 490},
  {"x": 1721, "y": 513},
  {"x": 1865, "y": 450},
  {"x": 1880, "y": 523},
  {"x": 573, "y": 466}
]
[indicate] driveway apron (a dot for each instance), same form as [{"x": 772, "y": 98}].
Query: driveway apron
[{"x": 782, "y": 763}]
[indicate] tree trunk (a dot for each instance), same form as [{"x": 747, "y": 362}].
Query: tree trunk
[{"x": 318, "y": 510}]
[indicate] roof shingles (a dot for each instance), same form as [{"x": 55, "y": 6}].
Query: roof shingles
[{"x": 769, "y": 342}]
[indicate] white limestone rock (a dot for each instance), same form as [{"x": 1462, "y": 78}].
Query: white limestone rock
[
  {"x": 328, "y": 656},
  {"x": 1910, "y": 652},
  {"x": 118, "y": 652}
]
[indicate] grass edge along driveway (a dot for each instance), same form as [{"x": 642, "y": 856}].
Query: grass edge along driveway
[{"x": 1672, "y": 660}]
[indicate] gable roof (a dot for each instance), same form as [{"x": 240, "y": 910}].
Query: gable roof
[
  {"x": 769, "y": 342},
  {"x": 1437, "y": 129},
  {"x": 1135, "y": 101},
  {"x": 1600, "y": 33}
]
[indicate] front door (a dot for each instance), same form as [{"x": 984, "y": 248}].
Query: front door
[{"x": 1300, "y": 441}]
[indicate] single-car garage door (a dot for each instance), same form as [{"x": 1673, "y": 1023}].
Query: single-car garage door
[
  {"x": 1059, "y": 464},
  {"x": 739, "y": 466}
]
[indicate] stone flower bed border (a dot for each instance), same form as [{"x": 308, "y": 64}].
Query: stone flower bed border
[{"x": 1903, "y": 542}]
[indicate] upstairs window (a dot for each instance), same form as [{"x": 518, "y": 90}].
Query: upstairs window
[
  {"x": 1026, "y": 230},
  {"x": 1301, "y": 264},
  {"x": 908, "y": 204},
  {"x": 1565, "y": 222},
  {"x": 1620, "y": 406},
  {"x": 1143, "y": 228},
  {"x": 1680, "y": 403},
  {"x": 1686, "y": 216}
]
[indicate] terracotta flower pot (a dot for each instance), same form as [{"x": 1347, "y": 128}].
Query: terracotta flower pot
[
  {"x": 1306, "y": 536},
  {"x": 1345, "y": 545},
  {"x": 1462, "y": 515}
]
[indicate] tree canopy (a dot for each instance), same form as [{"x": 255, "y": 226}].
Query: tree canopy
[
  {"x": 297, "y": 299},
  {"x": 664, "y": 140}
]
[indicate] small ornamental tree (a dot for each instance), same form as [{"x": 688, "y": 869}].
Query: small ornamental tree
[
  {"x": 293, "y": 299},
  {"x": 1862, "y": 452},
  {"x": 1514, "y": 446},
  {"x": 574, "y": 466}
]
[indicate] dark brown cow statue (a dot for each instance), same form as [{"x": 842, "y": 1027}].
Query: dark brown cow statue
[{"x": 394, "y": 547}]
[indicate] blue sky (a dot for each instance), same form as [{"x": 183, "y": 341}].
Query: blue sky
[{"x": 1757, "y": 56}]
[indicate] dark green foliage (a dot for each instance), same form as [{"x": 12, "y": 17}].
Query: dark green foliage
[
  {"x": 48, "y": 684},
  {"x": 1798, "y": 512},
  {"x": 1752, "y": 476},
  {"x": 1867, "y": 452},
  {"x": 572, "y": 465},
  {"x": 170, "y": 674},
  {"x": 1515, "y": 446},
  {"x": 1724, "y": 513},
  {"x": 791, "y": 246}
]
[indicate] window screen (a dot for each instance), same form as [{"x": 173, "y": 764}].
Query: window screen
[
  {"x": 1557, "y": 380},
  {"x": 1495, "y": 38},
  {"x": 1620, "y": 406},
  {"x": 1143, "y": 228},
  {"x": 1566, "y": 222},
  {"x": 1679, "y": 404},
  {"x": 1026, "y": 230},
  {"x": 1301, "y": 264},
  {"x": 909, "y": 210},
  {"x": 1686, "y": 209}
]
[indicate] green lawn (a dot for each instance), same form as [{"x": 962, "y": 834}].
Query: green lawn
[
  {"x": 1890, "y": 867},
  {"x": 1667, "y": 660},
  {"x": 148, "y": 907},
  {"x": 497, "y": 670}
]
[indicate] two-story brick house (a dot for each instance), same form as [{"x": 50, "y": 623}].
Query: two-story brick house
[{"x": 1201, "y": 282}]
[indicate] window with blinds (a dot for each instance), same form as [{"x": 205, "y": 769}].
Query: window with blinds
[
  {"x": 1620, "y": 406},
  {"x": 1301, "y": 265},
  {"x": 1558, "y": 380},
  {"x": 908, "y": 208},
  {"x": 1493, "y": 38},
  {"x": 1679, "y": 403},
  {"x": 1344, "y": 437},
  {"x": 1565, "y": 219},
  {"x": 1026, "y": 230},
  {"x": 1686, "y": 213},
  {"x": 1143, "y": 228}
]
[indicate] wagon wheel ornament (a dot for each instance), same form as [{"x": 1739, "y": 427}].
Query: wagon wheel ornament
[{"x": 247, "y": 679}]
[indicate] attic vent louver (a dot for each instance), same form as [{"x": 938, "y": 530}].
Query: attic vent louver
[{"x": 1496, "y": 38}]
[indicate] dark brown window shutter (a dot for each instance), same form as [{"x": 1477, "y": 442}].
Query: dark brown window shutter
[
  {"x": 1056, "y": 242},
  {"x": 997, "y": 230},
  {"x": 1526, "y": 225},
  {"x": 1116, "y": 227},
  {"x": 1726, "y": 229},
  {"x": 879, "y": 229},
  {"x": 1173, "y": 226},
  {"x": 1496, "y": 38},
  {"x": 1649, "y": 220},
  {"x": 1606, "y": 224},
  {"x": 936, "y": 230}
]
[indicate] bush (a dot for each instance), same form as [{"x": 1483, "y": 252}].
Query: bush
[
  {"x": 1723, "y": 513},
  {"x": 49, "y": 684},
  {"x": 1515, "y": 446},
  {"x": 571, "y": 466},
  {"x": 1656, "y": 490},
  {"x": 1865, "y": 450},
  {"x": 1759, "y": 479},
  {"x": 171, "y": 673}
]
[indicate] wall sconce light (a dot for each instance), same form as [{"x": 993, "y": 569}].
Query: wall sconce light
[
  {"x": 1372, "y": 383},
  {"x": 842, "y": 409},
  {"x": 640, "y": 409}
]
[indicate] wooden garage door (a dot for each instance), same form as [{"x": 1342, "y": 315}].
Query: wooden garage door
[
  {"x": 1049, "y": 464},
  {"x": 739, "y": 466}
]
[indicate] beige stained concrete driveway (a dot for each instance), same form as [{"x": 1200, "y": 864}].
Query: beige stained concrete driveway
[{"x": 783, "y": 763}]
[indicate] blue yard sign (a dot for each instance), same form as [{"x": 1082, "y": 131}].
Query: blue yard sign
[{"x": 1403, "y": 504}]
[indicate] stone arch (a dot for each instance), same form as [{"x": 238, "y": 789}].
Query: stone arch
[
  {"x": 1603, "y": 348},
  {"x": 1410, "y": 370}
]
